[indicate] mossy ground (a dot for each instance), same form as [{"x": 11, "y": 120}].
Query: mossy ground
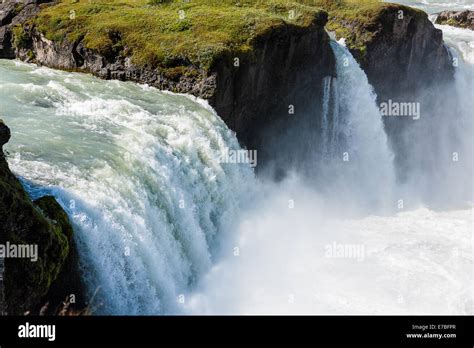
[
  {"x": 453, "y": 22},
  {"x": 170, "y": 33},
  {"x": 358, "y": 21},
  {"x": 178, "y": 33}
]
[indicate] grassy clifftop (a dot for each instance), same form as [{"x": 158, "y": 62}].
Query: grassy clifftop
[
  {"x": 171, "y": 32},
  {"x": 358, "y": 21}
]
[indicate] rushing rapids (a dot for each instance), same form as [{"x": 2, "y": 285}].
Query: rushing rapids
[{"x": 137, "y": 170}]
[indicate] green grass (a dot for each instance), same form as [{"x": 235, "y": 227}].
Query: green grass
[
  {"x": 170, "y": 33},
  {"x": 358, "y": 21},
  {"x": 175, "y": 34}
]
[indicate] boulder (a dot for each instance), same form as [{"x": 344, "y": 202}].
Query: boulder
[
  {"x": 4, "y": 134},
  {"x": 461, "y": 19}
]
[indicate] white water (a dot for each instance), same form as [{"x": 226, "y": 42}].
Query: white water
[
  {"x": 137, "y": 170},
  {"x": 128, "y": 156},
  {"x": 434, "y": 178},
  {"x": 417, "y": 261},
  {"x": 436, "y": 6},
  {"x": 357, "y": 163}
]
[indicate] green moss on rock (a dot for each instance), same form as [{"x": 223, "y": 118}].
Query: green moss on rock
[
  {"x": 359, "y": 21},
  {"x": 461, "y": 19},
  {"x": 177, "y": 36},
  {"x": 51, "y": 209},
  {"x": 20, "y": 37},
  {"x": 43, "y": 224},
  {"x": 171, "y": 33}
]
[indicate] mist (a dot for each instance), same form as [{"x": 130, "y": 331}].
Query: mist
[{"x": 350, "y": 229}]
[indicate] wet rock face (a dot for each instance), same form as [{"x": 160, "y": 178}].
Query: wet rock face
[
  {"x": 7, "y": 13},
  {"x": 409, "y": 63},
  {"x": 406, "y": 56},
  {"x": 14, "y": 13},
  {"x": 461, "y": 19},
  {"x": 287, "y": 72},
  {"x": 41, "y": 229},
  {"x": 4, "y": 134}
]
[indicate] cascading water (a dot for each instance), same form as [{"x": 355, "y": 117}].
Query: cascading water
[
  {"x": 289, "y": 258},
  {"x": 156, "y": 214},
  {"x": 431, "y": 6},
  {"x": 137, "y": 170},
  {"x": 356, "y": 156},
  {"x": 327, "y": 81},
  {"x": 441, "y": 166},
  {"x": 438, "y": 149}
]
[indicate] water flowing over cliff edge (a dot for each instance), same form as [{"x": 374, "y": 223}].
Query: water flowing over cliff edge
[
  {"x": 164, "y": 227},
  {"x": 343, "y": 217}
]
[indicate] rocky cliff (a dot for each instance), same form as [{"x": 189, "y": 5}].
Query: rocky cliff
[
  {"x": 398, "y": 47},
  {"x": 405, "y": 59},
  {"x": 284, "y": 67},
  {"x": 41, "y": 225},
  {"x": 461, "y": 19},
  {"x": 13, "y": 13},
  {"x": 286, "y": 72}
]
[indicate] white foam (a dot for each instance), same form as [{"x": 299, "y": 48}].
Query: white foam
[
  {"x": 121, "y": 160},
  {"x": 417, "y": 262}
]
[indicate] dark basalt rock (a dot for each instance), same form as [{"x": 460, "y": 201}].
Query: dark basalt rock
[
  {"x": 461, "y": 19},
  {"x": 409, "y": 62},
  {"x": 405, "y": 60},
  {"x": 288, "y": 69},
  {"x": 406, "y": 55},
  {"x": 4, "y": 135}
]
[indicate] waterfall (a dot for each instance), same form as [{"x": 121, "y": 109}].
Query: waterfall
[
  {"x": 355, "y": 152},
  {"x": 287, "y": 243},
  {"x": 437, "y": 148},
  {"x": 138, "y": 171},
  {"x": 163, "y": 226},
  {"x": 325, "y": 111}
]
